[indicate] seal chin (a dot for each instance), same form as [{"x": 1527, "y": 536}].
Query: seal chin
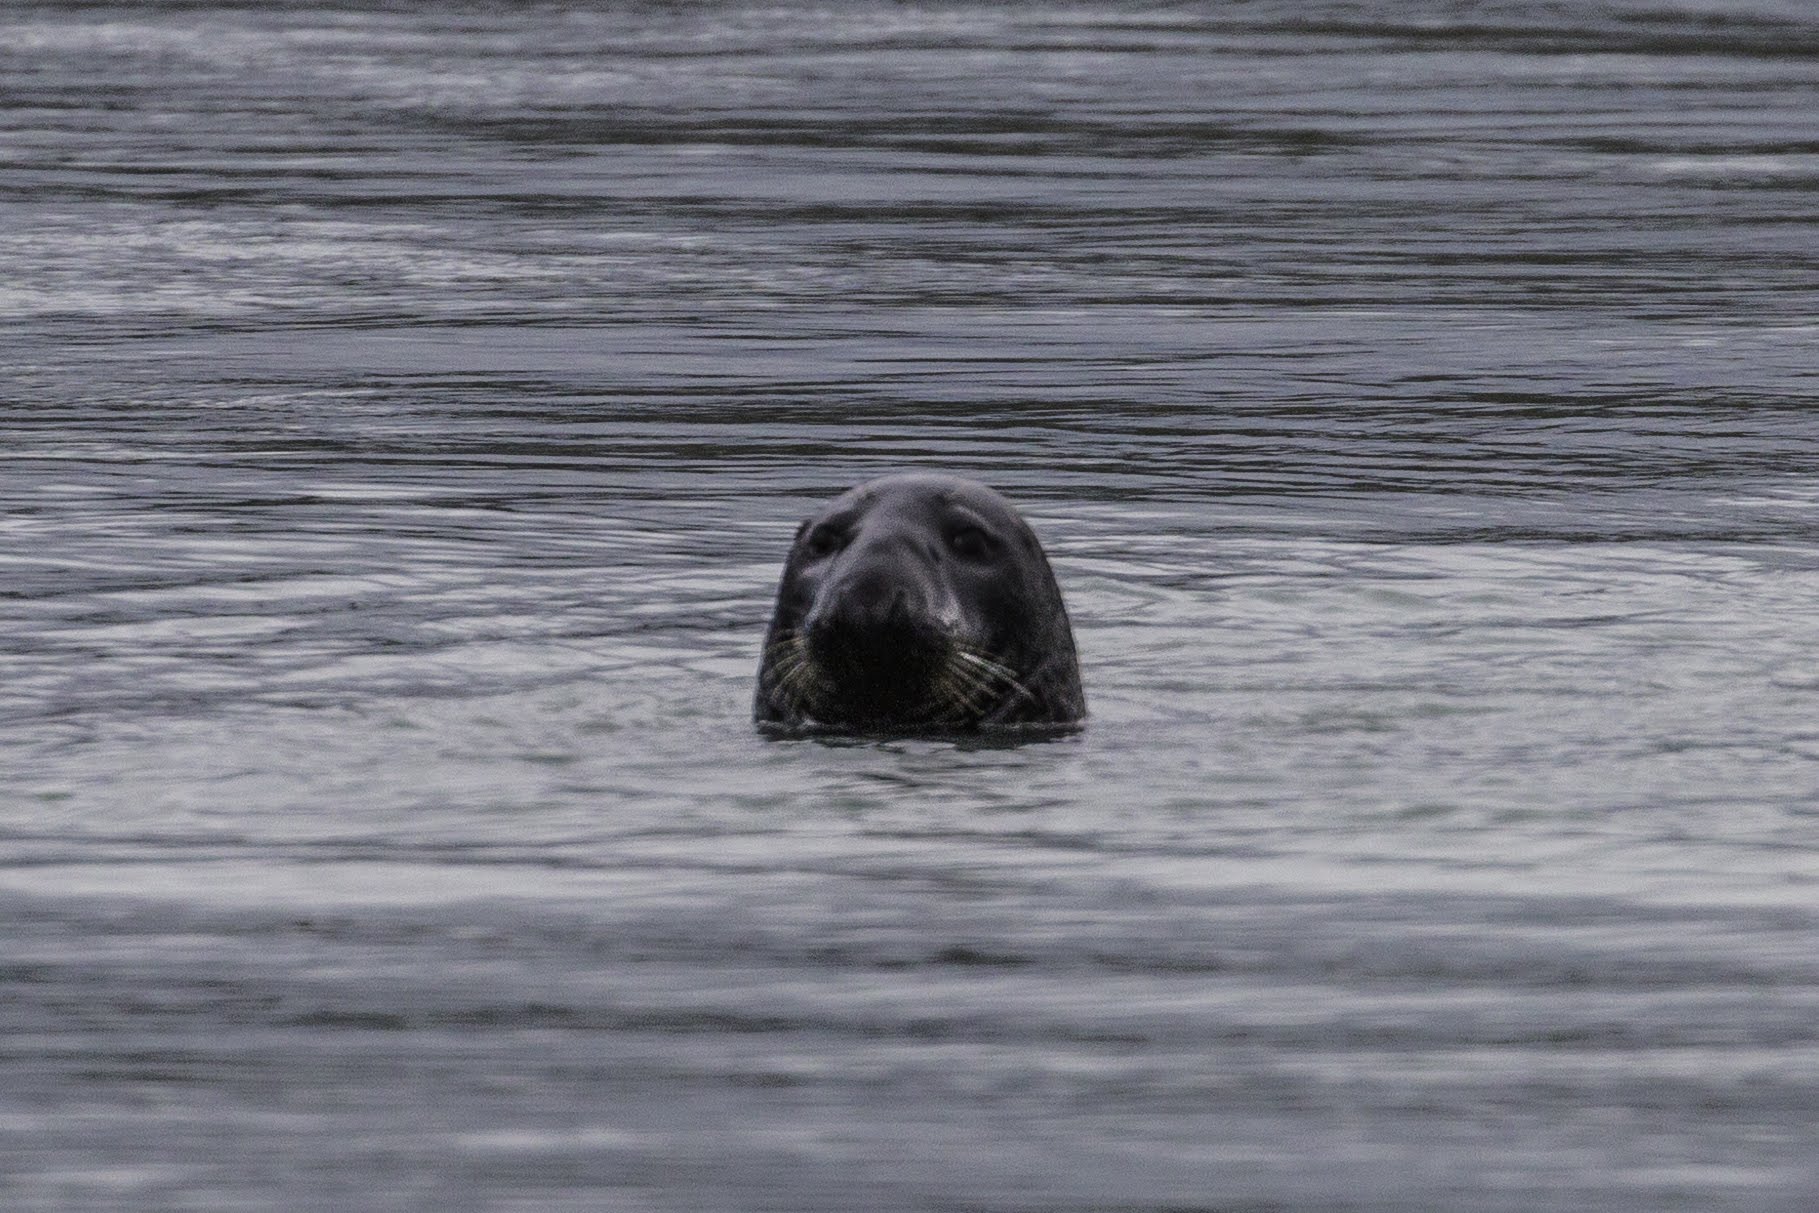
[
  {"x": 898, "y": 653},
  {"x": 872, "y": 674}
]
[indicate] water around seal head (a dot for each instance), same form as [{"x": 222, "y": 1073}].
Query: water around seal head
[{"x": 407, "y": 410}]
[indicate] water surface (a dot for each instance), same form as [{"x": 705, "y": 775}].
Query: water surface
[{"x": 407, "y": 408}]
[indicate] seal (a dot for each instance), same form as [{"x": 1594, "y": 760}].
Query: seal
[{"x": 918, "y": 603}]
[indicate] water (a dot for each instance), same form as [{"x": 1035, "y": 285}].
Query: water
[{"x": 406, "y": 410}]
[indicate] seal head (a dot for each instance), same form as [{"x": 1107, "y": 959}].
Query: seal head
[{"x": 918, "y": 603}]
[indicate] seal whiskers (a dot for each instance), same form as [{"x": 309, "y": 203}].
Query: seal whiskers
[
  {"x": 998, "y": 683},
  {"x": 793, "y": 675}
]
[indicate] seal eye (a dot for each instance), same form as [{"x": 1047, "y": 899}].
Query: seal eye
[
  {"x": 969, "y": 542},
  {"x": 824, "y": 541}
]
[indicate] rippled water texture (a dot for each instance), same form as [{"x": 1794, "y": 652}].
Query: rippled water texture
[{"x": 406, "y": 410}]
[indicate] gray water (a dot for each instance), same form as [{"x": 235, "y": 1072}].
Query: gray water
[{"x": 406, "y": 409}]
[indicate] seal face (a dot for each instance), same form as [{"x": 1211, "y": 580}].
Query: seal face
[{"x": 918, "y": 603}]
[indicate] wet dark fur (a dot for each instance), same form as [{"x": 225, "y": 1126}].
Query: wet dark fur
[{"x": 918, "y": 603}]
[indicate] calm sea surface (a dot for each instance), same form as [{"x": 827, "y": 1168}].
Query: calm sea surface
[{"x": 405, "y": 410}]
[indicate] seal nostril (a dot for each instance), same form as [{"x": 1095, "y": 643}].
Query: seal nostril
[{"x": 870, "y": 597}]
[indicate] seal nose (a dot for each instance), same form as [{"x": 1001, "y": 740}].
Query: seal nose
[{"x": 872, "y": 599}]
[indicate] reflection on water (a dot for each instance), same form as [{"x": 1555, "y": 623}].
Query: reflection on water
[{"x": 408, "y": 407}]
